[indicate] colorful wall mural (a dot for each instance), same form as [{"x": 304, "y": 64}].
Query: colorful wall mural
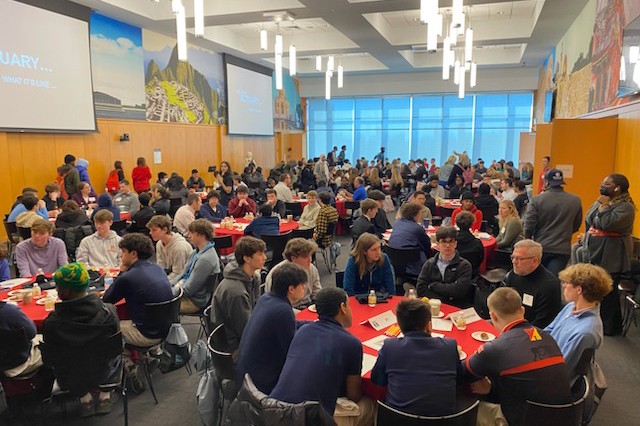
[
  {"x": 288, "y": 114},
  {"x": 586, "y": 61}
]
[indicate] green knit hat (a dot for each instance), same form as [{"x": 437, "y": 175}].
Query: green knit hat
[{"x": 73, "y": 276}]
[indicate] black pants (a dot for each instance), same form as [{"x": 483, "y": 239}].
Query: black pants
[{"x": 610, "y": 310}]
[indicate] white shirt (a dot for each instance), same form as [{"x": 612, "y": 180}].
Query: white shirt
[
  {"x": 509, "y": 194},
  {"x": 283, "y": 192},
  {"x": 183, "y": 218}
]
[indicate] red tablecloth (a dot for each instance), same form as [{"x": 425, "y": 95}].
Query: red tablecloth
[
  {"x": 38, "y": 314},
  {"x": 489, "y": 245},
  {"x": 365, "y": 332},
  {"x": 125, "y": 216},
  {"x": 236, "y": 233}
]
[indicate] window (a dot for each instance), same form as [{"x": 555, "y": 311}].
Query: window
[{"x": 486, "y": 126}]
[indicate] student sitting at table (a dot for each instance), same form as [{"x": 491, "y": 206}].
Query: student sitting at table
[
  {"x": 324, "y": 187},
  {"x": 140, "y": 281},
  {"x": 140, "y": 218},
  {"x": 53, "y": 200},
  {"x": 409, "y": 234},
  {"x": 20, "y": 208},
  {"x": 468, "y": 204},
  {"x": 212, "y": 210},
  {"x": 326, "y": 216},
  {"x": 270, "y": 329},
  {"x": 195, "y": 182},
  {"x": 71, "y": 215},
  {"x": 446, "y": 275},
  {"x": 328, "y": 344},
  {"x": 458, "y": 189},
  {"x": 264, "y": 224},
  {"x": 359, "y": 194},
  {"x": 172, "y": 250},
  {"x": 81, "y": 321},
  {"x": 186, "y": 214},
  {"x": 160, "y": 199},
  {"x": 469, "y": 247},
  {"x": 126, "y": 200},
  {"x": 200, "y": 273},
  {"x": 41, "y": 251},
  {"x": 85, "y": 197},
  {"x": 510, "y": 225},
  {"x": 405, "y": 365},
  {"x": 241, "y": 204},
  {"x": 24, "y": 358},
  {"x": 30, "y": 215},
  {"x": 368, "y": 268},
  {"x": 100, "y": 249},
  {"x": 277, "y": 206},
  {"x": 5, "y": 273},
  {"x": 380, "y": 221},
  {"x": 420, "y": 197},
  {"x": 364, "y": 222},
  {"x": 104, "y": 203},
  {"x": 310, "y": 212}
]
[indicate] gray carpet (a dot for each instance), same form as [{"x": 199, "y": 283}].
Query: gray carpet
[{"x": 619, "y": 359}]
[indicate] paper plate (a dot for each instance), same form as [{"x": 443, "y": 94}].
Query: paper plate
[
  {"x": 19, "y": 291},
  {"x": 462, "y": 355},
  {"x": 312, "y": 308},
  {"x": 478, "y": 335},
  {"x": 43, "y": 301},
  {"x": 14, "y": 282}
]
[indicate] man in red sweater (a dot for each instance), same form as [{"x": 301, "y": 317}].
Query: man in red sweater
[
  {"x": 241, "y": 204},
  {"x": 469, "y": 204}
]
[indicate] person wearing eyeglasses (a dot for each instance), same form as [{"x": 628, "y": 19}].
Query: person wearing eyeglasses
[
  {"x": 538, "y": 287},
  {"x": 446, "y": 276}
]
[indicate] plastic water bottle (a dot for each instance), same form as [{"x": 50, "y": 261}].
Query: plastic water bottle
[
  {"x": 412, "y": 294},
  {"x": 372, "y": 299},
  {"x": 37, "y": 291}
]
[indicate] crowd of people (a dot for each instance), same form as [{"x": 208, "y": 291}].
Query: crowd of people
[{"x": 168, "y": 250}]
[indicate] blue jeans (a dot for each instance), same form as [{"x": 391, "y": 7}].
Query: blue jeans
[{"x": 555, "y": 262}]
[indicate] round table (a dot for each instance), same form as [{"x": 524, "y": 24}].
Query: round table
[
  {"x": 488, "y": 243},
  {"x": 37, "y": 313},
  {"x": 237, "y": 231},
  {"x": 365, "y": 332},
  {"x": 446, "y": 208}
]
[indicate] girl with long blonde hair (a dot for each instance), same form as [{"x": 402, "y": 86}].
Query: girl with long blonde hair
[{"x": 368, "y": 268}]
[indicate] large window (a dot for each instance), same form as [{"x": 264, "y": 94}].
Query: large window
[{"x": 487, "y": 126}]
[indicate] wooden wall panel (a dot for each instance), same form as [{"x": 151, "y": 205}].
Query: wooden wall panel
[
  {"x": 588, "y": 145},
  {"x": 32, "y": 159},
  {"x": 627, "y": 157},
  {"x": 527, "y": 147}
]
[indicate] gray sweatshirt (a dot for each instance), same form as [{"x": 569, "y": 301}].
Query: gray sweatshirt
[
  {"x": 100, "y": 252},
  {"x": 128, "y": 201},
  {"x": 311, "y": 288},
  {"x": 198, "y": 286},
  {"x": 174, "y": 255}
]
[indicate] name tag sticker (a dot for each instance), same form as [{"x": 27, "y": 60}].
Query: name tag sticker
[{"x": 527, "y": 300}]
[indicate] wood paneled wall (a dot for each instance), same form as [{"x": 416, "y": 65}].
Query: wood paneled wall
[
  {"x": 31, "y": 159},
  {"x": 627, "y": 156},
  {"x": 542, "y": 149}
]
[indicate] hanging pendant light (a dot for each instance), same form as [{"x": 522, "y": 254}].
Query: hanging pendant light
[
  {"x": 318, "y": 63},
  {"x": 461, "y": 85},
  {"x": 340, "y": 76},
  {"x": 198, "y": 16},
  {"x": 468, "y": 46},
  {"x": 456, "y": 72},
  {"x": 327, "y": 85},
  {"x": 278, "y": 72},
  {"x": 181, "y": 33},
  {"x": 292, "y": 60},
  {"x": 446, "y": 68},
  {"x": 264, "y": 41},
  {"x": 474, "y": 75},
  {"x": 330, "y": 63}
]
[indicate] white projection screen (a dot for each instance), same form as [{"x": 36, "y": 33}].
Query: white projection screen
[
  {"x": 45, "y": 71},
  {"x": 249, "y": 97}
]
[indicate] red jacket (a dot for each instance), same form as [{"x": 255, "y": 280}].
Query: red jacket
[
  {"x": 477, "y": 213},
  {"x": 233, "y": 209},
  {"x": 141, "y": 176}
]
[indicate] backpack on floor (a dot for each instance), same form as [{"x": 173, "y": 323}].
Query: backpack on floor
[{"x": 176, "y": 349}]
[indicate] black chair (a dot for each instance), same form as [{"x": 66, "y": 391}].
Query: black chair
[
  {"x": 13, "y": 238},
  {"x": 537, "y": 413},
  {"x": 401, "y": 259},
  {"x": 389, "y": 416},
  {"x": 159, "y": 316},
  {"x": 119, "y": 227},
  {"x": 350, "y": 207},
  {"x": 340, "y": 279},
  {"x": 628, "y": 289},
  {"x": 275, "y": 247},
  {"x": 294, "y": 209},
  {"x": 222, "y": 242},
  {"x": 24, "y": 233},
  {"x": 325, "y": 251},
  {"x": 176, "y": 203},
  {"x": 83, "y": 359},
  {"x": 307, "y": 234}
]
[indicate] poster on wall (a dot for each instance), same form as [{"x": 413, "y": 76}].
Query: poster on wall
[
  {"x": 117, "y": 69},
  {"x": 287, "y": 112},
  {"x": 182, "y": 92}
]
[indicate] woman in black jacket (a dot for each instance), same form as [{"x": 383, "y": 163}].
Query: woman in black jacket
[{"x": 71, "y": 215}]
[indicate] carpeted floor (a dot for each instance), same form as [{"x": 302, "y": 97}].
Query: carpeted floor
[{"x": 619, "y": 358}]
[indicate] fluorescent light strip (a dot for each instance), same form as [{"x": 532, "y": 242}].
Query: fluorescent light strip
[
  {"x": 198, "y": 15},
  {"x": 264, "y": 40},
  {"x": 181, "y": 34},
  {"x": 292, "y": 60}
]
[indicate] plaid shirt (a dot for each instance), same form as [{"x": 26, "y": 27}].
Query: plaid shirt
[{"x": 327, "y": 215}]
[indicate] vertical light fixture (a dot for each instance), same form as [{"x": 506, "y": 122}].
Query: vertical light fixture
[
  {"x": 636, "y": 74},
  {"x": 474, "y": 75},
  {"x": 327, "y": 85},
  {"x": 278, "y": 58},
  {"x": 318, "y": 63},
  {"x": 292, "y": 55},
  {"x": 453, "y": 34},
  {"x": 198, "y": 16},
  {"x": 634, "y": 52},
  {"x": 457, "y": 14},
  {"x": 340, "y": 76},
  {"x": 330, "y": 63},
  {"x": 456, "y": 72},
  {"x": 468, "y": 46},
  {"x": 461, "y": 83},
  {"x": 432, "y": 37},
  {"x": 264, "y": 41},
  {"x": 175, "y": 5},
  {"x": 181, "y": 33},
  {"x": 623, "y": 69},
  {"x": 446, "y": 68}
]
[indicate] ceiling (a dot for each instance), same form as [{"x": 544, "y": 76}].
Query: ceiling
[{"x": 366, "y": 36}]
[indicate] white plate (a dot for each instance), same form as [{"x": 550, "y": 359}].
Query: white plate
[
  {"x": 14, "y": 282},
  {"x": 19, "y": 291},
  {"x": 312, "y": 308},
  {"x": 440, "y": 315},
  {"x": 462, "y": 355},
  {"x": 42, "y": 301},
  {"x": 478, "y": 336}
]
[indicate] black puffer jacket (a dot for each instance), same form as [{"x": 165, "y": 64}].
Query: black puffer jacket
[
  {"x": 453, "y": 288},
  {"x": 254, "y": 408}
]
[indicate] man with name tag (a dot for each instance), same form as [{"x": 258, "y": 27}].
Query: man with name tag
[{"x": 537, "y": 286}]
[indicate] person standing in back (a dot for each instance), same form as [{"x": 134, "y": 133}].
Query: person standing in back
[
  {"x": 72, "y": 178},
  {"x": 140, "y": 176},
  {"x": 551, "y": 219}
]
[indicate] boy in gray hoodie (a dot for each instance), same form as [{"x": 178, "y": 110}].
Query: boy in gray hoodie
[{"x": 100, "y": 249}]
